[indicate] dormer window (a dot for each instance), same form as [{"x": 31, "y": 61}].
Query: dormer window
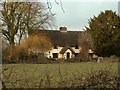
[
  {"x": 76, "y": 47},
  {"x": 55, "y": 47}
]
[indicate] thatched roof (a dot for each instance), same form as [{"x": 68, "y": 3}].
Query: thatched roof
[{"x": 59, "y": 38}]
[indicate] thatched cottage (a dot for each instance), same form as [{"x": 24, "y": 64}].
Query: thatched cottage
[{"x": 65, "y": 43}]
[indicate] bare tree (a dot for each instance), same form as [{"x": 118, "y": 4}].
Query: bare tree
[
  {"x": 58, "y": 2},
  {"x": 21, "y": 17},
  {"x": 85, "y": 44}
]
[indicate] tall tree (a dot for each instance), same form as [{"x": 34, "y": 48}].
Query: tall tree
[
  {"x": 85, "y": 44},
  {"x": 17, "y": 18},
  {"x": 105, "y": 32}
]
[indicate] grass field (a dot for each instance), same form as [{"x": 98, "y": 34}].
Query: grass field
[{"x": 50, "y": 75}]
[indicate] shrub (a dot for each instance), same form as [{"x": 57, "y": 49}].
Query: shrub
[
  {"x": 42, "y": 59},
  {"x": 111, "y": 59},
  {"x": 103, "y": 78},
  {"x": 74, "y": 59},
  {"x": 100, "y": 79}
]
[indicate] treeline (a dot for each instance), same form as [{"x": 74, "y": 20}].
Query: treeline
[{"x": 21, "y": 19}]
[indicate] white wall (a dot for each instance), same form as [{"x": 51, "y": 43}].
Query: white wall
[
  {"x": 60, "y": 55},
  {"x": 68, "y": 51},
  {"x": 54, "y": 51},
  {"x": 76, "y": 50}
]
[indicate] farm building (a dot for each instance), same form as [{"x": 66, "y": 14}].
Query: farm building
[{"x": 66, "y": 44}]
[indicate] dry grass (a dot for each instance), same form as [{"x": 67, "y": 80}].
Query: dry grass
[{"x": 78, "y": 75}]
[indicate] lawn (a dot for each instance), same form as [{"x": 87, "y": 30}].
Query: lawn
[{"x": 50, "y": 75}]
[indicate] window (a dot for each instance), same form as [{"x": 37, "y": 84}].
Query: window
[
  {"x": 55, "y": 47},
  {"x": 76, "y": 47},
  {"x": 55, "y": 55},
  {"x": 76, "y": 54}
]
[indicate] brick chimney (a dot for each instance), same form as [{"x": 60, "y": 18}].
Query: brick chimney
[{"x": 63, "y": 29}]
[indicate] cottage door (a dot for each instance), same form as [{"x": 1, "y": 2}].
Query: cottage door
[{"x": 68, "y": 55}]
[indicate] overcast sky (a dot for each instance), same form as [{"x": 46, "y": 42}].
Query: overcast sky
[{"x": 78, "y": 12}]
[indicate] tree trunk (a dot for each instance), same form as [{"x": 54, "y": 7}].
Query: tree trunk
[{"x": 12, "y": 48}]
